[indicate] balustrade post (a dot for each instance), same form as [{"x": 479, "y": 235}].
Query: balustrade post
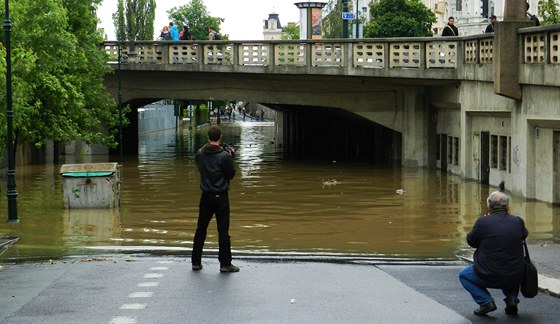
[
  {"x": 422, "y": 50},
  {"x": 166, "y": 52},
  {"x": 309, "y": 54},
  {"x": 272, "y": 54},
  {"x": 236, "y": 59}
]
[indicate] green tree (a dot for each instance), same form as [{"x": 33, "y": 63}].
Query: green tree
[
  {"x": 550, "y": 12},
  {"x": 290, "y": 32},
  {"x": 119, "y": 21},
  {"x": 399, "y": 18},
  {"x": 196, "y": 16},
  {"x": 58, "y": 74},
  {"x": 332, "y": 22},
  {"x": 135, "y": 19}
]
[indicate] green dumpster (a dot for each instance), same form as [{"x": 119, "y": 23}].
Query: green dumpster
[{"x": 91, "y": 185}]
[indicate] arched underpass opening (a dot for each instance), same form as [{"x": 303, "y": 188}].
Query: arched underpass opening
[{"x": 337, "y": 135}]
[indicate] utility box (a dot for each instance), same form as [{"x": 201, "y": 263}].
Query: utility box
[{"x": 91, "y": 185}]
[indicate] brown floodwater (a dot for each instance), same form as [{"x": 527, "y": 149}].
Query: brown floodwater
[{"x": 277, "y": 205}]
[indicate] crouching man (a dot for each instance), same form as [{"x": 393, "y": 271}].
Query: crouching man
[{"x": 498, "y": 259}]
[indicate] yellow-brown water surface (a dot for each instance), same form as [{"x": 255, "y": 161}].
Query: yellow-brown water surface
[{"x": 277, "y": 205}]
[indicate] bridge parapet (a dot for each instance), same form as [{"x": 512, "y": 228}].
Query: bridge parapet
[
  {"x": 393, "y": 53},
  {"x": 449, "y": 58}
]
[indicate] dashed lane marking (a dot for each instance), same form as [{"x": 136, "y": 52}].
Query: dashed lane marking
[
  {"x": 134, "y": 306},
  {"x": 159, "y": 268},
  {"x": 123, "y": 320},
  {"x": 153, "y": 275},
  {"x": 148, "y": 284},
  {"x": 141, "y": 294}
]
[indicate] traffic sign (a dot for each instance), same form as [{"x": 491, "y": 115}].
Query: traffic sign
[{"x": 347, "y": 16}]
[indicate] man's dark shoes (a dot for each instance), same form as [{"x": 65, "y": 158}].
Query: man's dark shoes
[
  {"x": 197, "y": 267},
  {"x": 511, "y": 307},
  {"x": 229, "y": 268},
  {"x": 486, "y": 308}
]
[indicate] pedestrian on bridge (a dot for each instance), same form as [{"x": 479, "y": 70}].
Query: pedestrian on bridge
[
  {"x": 499, "y": 257},
  {"x": 450, "y": 29},
  {"x": 165, "y": 34},
  {"x": 173, "y": 31},
  {"x": 216, "y": 168},
  {"x": 490, "y": 27}
]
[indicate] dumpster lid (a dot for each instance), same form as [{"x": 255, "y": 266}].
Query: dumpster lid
[{"x": 88, "y": 169}]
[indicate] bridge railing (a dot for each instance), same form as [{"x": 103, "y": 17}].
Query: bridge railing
[
  {"x": 417, "y": 53},
  {"x": 540, "y": 45}
]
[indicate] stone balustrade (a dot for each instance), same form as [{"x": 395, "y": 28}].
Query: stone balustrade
[{"x": 540, "y": 45}]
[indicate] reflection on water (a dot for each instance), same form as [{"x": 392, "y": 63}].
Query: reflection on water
[{"x": 276, "y": 205}]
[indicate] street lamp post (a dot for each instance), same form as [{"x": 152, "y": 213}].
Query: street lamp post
[
  {"x": 11, "y": 190},
  {"x": 119, "y": 95},
  {"x": 344, "y": 21},
  {"x": 357, "y": 20}
]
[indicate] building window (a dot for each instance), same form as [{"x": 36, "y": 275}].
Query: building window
[
  {"x": 450, "y": 149},
  {"x": 456, "y": 150},
  {"x": 503, "y": 152},
  {"x": 438, "y": 147},
  {"x": 494, "y": 151}
]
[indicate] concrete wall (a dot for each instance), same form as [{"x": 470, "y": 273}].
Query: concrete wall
[{"x": 156, "y": 117}]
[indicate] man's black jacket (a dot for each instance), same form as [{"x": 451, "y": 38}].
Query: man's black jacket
[
  {"x": 498, "y": 239},
  {"x": 216, "y": 168}
]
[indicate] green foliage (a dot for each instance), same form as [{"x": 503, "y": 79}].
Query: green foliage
[
  {"x": 119, "y": 21},
  {"x": 58, "y": 73},
  {"x": 332, "y": 22},
  {"x": 135, "y": 19},
  {"x": 399, "y": 18},
  {"x": 550, "y": 12},
  {"x": 290, "y": 32},
  {"x": 196, "y": 16}
]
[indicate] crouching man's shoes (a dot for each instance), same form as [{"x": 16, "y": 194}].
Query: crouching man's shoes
[
  {"x": 486, "y": 308},
  {"x": 229, "y": 268},
  {"x": 511, "y": 307},
  {"x": 197, "y": 267}
]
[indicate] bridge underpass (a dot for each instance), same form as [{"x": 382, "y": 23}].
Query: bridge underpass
[{"x": 397, "y": 110}]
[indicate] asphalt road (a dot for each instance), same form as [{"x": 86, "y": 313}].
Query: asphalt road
[{"x": 133, "y": 289}]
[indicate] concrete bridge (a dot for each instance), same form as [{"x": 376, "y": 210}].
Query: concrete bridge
[{"x": 455, "y": 103}]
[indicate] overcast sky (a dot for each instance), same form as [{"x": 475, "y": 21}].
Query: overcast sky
[{"x": 243, "y": 18}]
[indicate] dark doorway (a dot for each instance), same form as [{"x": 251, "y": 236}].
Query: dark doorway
[
  {"x": 443, "y": 152},
  {"x": 484, "y": 157}
]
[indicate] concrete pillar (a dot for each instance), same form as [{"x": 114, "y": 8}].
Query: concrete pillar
[
  {"x": 522, "y": 154},
  {"x": 506, "y": 58},
  {"x": 515, "y": 10},
  {"x": 415, "y": 132}
]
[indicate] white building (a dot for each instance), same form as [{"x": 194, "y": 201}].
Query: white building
[
  {"x": 469, "y": 17},
  {"x": 272, "y": 28}
]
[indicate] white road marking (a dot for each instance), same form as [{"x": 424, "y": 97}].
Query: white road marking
[
  {"x": 141, "y": 294},
  {"x": 134, "y": 306},
  {"x": 148, "y": 284},
  {"x": 153, "y": 275},
  {"x": 123, "y": 320},
  {"x": 159, "y": 268},
  {"x": 164, "y": 262}
]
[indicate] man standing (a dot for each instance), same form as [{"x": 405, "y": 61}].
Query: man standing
[
  {"x": 212, "y": 34},
  {"x": 498, "y": 259},
  {"x": 216, "y": 168},
  {"x": 490, "y": 27},
  {"x": 450, "y": 29}
]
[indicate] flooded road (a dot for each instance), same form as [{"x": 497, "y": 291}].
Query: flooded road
[{"x": 276, "y": 205}]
